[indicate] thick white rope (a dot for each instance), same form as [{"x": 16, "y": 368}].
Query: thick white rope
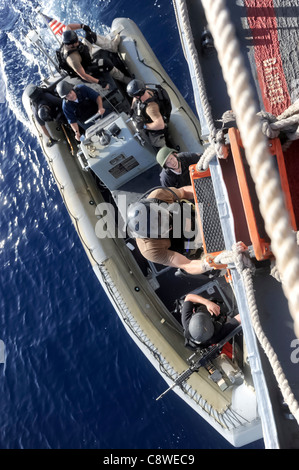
[
  {"x": 245, "y": 268},
  {"x": 262, "y": 169}
]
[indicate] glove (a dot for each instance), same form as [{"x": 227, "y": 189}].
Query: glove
[
  {"x": 85, "y": 28},
  {"x": 89, "y": 35}
]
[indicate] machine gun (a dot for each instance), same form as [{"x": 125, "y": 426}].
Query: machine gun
[{"x": 209, "y": 354}]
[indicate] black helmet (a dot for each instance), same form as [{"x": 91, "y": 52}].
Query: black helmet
[
  {"x": 136, "y": 88},
  {"x": 69, "y": 37},
  {"x": 33, "y": 92},
  {"x": 63, "y": 88},
  {"x": 148, "y": 219},
  {"x": 201, "y": 327},
  {"x": 44, "y": 113}
]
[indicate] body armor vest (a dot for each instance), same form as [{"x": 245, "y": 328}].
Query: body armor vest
[{"x": 62, "y": 58}]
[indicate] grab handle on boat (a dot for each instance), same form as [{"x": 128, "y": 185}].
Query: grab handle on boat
[
  {"x": 84, "y": 166},
  {"x": 93, "y": 118}
]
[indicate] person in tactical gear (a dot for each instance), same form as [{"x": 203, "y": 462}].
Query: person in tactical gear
[
  {"x": 164, "y": 230},
  {"x": 151, "y": 110},
  {"x": 79, "y": 104},
  {"x": 46, "y": 108},
  {"x": 75, "y": 58},
  {"x": 104, "y": 42},
  {"x": 175, "y": 166},
  {"x": 202, "y": 323}
]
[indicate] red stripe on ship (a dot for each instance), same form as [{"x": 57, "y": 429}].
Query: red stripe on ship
[{"x": 263, "y": 24}]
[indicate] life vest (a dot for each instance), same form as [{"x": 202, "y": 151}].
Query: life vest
[
  {"x": 164, "y": 102},
  {"x": 161, "y": 97},
  {"x": 62, "y": 56}
]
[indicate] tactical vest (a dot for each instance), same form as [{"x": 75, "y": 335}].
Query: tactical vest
[
  {"x": 62, "y": 58},
  {"x": 163, "y": 100},
  {"x": 160, "y": 96}
]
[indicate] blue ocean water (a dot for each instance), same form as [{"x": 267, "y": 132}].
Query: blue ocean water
[{"x": 72, "y": 378}]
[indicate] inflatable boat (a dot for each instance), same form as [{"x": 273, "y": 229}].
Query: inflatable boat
[{"x": 225, "y": 383}]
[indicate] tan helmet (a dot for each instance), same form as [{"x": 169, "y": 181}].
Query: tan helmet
[{"x": 163, "y": 154}]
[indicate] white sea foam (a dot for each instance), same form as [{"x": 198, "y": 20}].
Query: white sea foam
[{"x": 2, "y": 87}]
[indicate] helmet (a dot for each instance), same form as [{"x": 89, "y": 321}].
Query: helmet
[
  {"x": 147, "y": 219},
  {"x": 135, "y": 88},
  {"x": 33, "y": 92},
  {"x": 63, "y": 88},
  {"x": 104, "y": 137},
  {"x": 163, "y": 154},
  {"x": 201, "y": 327},
  {"x": 44, "y": 113},
  {"x": 69, "y": 37}
]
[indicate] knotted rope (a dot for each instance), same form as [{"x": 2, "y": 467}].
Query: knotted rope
[{"x": 288, "y": 122}]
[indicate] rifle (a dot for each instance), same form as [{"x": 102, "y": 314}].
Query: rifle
[{"x": 202, "y": 361}]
